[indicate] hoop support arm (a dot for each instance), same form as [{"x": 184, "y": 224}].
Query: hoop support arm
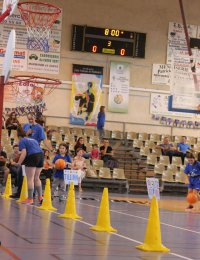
[{"x": 5, "y": 14}]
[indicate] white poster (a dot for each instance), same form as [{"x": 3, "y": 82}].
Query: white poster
[
  {"x": 153, "y": 188},
  {"x": 161, "y": 74},
  {"x": 159, "y": 106},
  {"x": 71, "y": 176},
  {"x": 177, "y": 51},
  {"x": 119, "y": 87}
]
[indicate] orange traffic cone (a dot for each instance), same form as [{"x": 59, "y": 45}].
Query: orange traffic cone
[
  {"x": 24, "y": 190},
  {"x": 70, "y": 209},
  {"x": 8, "y": 189},
  {"x": 47, "y": 203},
  {"x": 153, "y": 241},
  {"x": 103, "y": 220}
]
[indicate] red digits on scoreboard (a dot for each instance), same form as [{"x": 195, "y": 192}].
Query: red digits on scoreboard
[
  {"x": 94, "y": 48},
  {"x": 122, "y": 52}
]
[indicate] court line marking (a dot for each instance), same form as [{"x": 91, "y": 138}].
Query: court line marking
[
  {"x": 9, "y": 252},
  {"x": 115, "y": 234},
  {"x": 135, "y": 216},
  {"x": 127, "y": 238}
]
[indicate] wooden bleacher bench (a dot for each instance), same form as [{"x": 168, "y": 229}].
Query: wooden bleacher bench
[{"x": 112, "y": 184}]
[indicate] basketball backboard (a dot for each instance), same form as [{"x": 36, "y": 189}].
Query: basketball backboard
[{"x": 9, "y": 55}]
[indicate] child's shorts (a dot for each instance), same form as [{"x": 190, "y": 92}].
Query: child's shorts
[{"x": 194, "y": 183}]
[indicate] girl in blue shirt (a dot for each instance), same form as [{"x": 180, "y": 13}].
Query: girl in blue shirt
[
  {"x": 192, "y": 170},
  {"x": 33, "y": 158},
  {"x": 59, "y": 174},
  {"x": 101, "y": 122}
]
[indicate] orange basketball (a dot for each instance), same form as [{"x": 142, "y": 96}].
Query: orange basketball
[
  {"x": 192, "y": 198},
  {"x": 60, "y": 164}
]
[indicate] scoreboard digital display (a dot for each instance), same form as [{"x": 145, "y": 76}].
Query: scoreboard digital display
[{"x": 108, "y": 41}]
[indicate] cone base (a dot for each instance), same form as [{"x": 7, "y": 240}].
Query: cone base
[
  {"x": 46, "y": 208},
  {"x": 72, "y": 216},
  {"x": 103, "y": 229},
  {"x": 5, "y": 196},
  {"x": 153, "y": 248}
]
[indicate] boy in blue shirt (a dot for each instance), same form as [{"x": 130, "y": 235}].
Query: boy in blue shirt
[
  {"x": 192, "y": 170},
  {"x": 183, "y": 148}
]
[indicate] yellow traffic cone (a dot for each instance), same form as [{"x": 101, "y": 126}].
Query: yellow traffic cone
[
  {"x": 47, "y": 203},
  {"x": 70, "y": 209},
  {"x": 24, "y": 190},
  {"x": 153, "y": 241},
  {"x": 103, "y": 219},
  {"x": 8, "y": 189}
]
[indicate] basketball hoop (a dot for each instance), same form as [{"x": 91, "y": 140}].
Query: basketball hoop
[
  {"x": 32, "y": 89},
  {"x": 38, "y": 18}
]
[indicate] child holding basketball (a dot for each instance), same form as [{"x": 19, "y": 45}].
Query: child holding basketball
[
  {"x": 58, "y": 181},
  {"x": 192, "y": 170}
]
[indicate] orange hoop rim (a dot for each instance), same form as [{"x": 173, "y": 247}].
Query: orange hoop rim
[{"x": 22, "y": 8}]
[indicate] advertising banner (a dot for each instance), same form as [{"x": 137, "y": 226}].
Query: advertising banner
[{"x": 119, "y": 87}]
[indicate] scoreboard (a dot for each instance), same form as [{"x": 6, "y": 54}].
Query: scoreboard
[{"x": 108, "y": 41}]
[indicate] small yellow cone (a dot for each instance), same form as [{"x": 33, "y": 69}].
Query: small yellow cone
[
  {"x": 24, "y": 190},
  {"x": 153, "y": 241},
  {"x": 103, "y": 219},
  {"x": 70, "y": 209},
  {"x": 8, "y": 189},
  {"x": 47, "y": 203}
]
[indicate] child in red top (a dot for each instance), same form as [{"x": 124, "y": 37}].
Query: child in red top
[{"x": 94, "y": 152}]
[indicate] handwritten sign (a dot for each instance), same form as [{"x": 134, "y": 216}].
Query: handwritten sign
[
  {"x": 153, "y": 188},
  {"x": 71, "y": 176}
]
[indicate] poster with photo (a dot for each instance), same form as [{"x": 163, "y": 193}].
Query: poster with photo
[{"x": 86, "y": 95}]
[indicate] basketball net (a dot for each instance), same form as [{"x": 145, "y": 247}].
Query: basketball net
[
  {"x": 38, "y": 18},
  {"x": 31, "y": 90}
]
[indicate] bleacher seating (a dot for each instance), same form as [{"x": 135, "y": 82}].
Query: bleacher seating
[{"x": 152, "y": 163}]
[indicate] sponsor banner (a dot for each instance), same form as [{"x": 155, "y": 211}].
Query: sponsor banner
[
  {"x": 43, "y": 62},
  {"x": 86, "y": 95},
  {"x": 20, "y": 59},
  {"x": 33, "y": 61},
  {"x": 153, "y": 188},
  {"x": 119, "y": 87},
  {"x": 161, "y": 74}
]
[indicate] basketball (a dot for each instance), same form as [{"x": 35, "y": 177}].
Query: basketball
[
  {"x": 192, "y": 198},
  {"x": 60, "y": 164}
]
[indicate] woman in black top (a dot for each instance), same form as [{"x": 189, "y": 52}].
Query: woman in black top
[
  {"x": 80, "y": 144},
  {"x": 12, "y": 123}
]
